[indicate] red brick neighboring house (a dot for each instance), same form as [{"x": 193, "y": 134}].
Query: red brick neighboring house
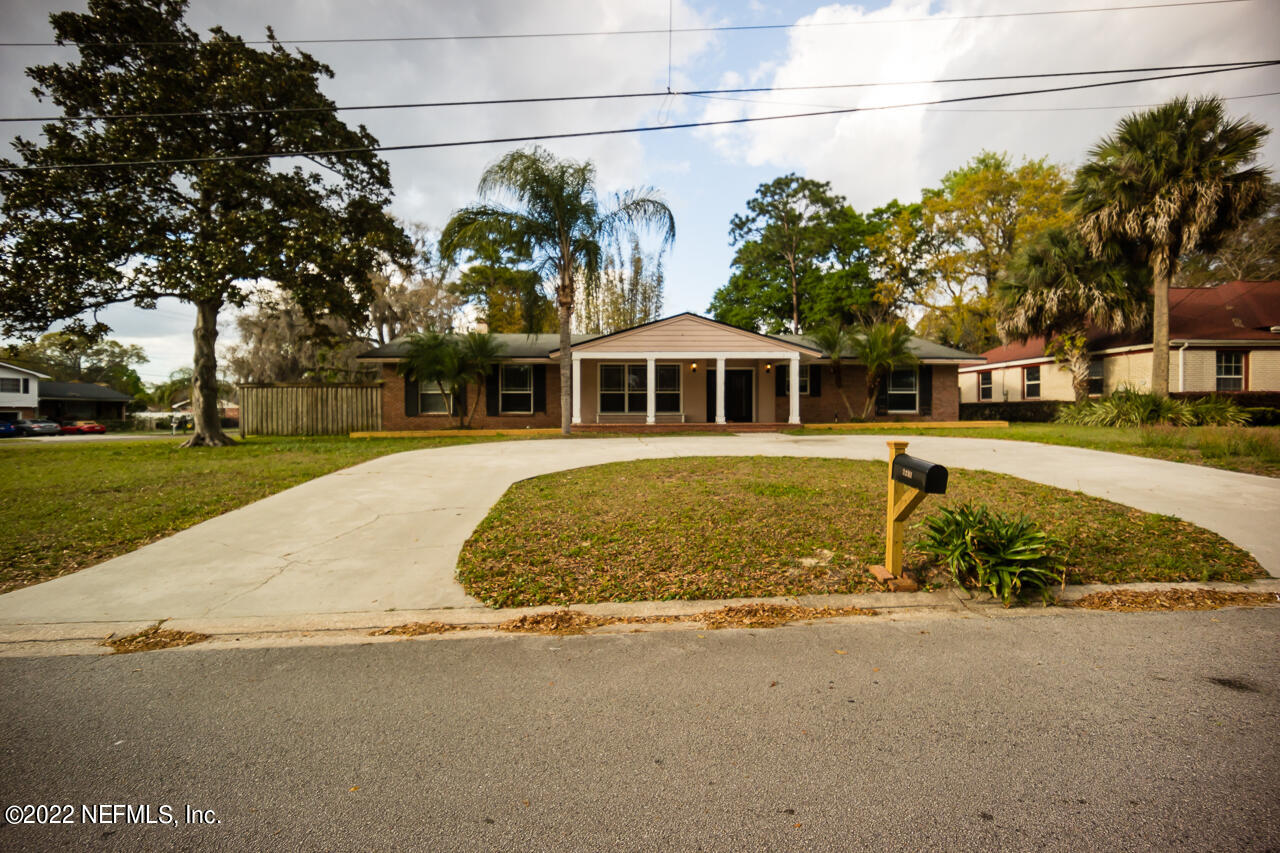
[
  {"x": 1221, "y": 339},
  {"x": 665, "y": 372}
]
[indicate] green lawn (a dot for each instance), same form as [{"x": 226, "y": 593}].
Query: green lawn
[
  {"x": 67, "y": 506},
  {"x": 726, "y": 527},
  {"x": 1253, "y": 450}
]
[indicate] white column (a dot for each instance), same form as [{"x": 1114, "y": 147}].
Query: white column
[
  {"x": 577, "y": 389},
  {"x": 720, "y": 390},
  {"x": 651, "y": 391},
  {"x": 794, "y": 416}
]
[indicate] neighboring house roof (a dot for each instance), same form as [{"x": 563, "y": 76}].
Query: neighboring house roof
[
  {"x": 20, "y": 368},
  {"x": 1243, "y": 311},
  {"x": 81, "y": 391},
  {"x": 548, "y": 345}
]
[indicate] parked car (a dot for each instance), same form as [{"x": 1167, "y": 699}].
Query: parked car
[
  {"x": 76, "y": 427},
  {"x": 7, "y": 429},
  {"x": 37, "y": 427}
]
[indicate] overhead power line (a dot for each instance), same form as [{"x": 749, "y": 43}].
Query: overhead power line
[
  {"x": 662, "y": 30},
  {"x": 630, "y": 95},
  {"x": 338, "y": 152}
]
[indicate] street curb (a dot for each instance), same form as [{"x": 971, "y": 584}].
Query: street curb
[{"x": 85, "y": 638}]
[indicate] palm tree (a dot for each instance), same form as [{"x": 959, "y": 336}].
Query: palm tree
[
  {"x": 558, "y": 220},
  {"x": 834, "y": 339},
  {"x": 880, "y": 347},
  {"x": 1170, "y": 181},
  {"x": 451, "y": 364},
  {"x": 479, "y": 352},
  {"x": 1058, "y": 289}
]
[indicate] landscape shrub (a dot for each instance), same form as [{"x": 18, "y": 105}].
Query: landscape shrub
[
  {"x": 1128, "y": 407},
  {"x": 1263, "y": 415},
  {"x": 1008, "y": 555},
  {"x": 1031, "y": 411}
]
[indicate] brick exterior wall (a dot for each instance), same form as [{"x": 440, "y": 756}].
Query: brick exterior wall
[
  {"x": 823, "y": 409},
  {"x": 828, "y": 407},
  {"x": 394, "y": 417}
]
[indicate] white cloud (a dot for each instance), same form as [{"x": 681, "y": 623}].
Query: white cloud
[{"x": 874, "y": 156}]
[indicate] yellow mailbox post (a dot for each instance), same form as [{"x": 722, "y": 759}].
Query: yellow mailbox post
[{"x": 910, "y": 481}]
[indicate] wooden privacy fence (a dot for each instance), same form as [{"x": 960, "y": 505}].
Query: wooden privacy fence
[{"x": 310, "y": 409}]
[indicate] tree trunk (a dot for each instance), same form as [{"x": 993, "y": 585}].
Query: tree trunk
[
  {"x": 565, "y": 304},
  {"x": 1078, "y": 364},
  {"x": 838, "y": 376},
  {"x": 1160, "y": 330},
  {"x": 873, "y": 385},
  {"x": 475, "y": 404},
  {"x": 204, "y": 388}
]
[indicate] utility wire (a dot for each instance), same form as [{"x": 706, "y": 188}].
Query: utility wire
[
  {"x": 627, "y": 95},
  {"x": 225, "y": 158},
  {"x": 654, "y": 31},
  {"x": 776, "y": 103}
]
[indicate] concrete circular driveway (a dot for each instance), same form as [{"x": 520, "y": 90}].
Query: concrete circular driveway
[{"x": 385, "y": 535}]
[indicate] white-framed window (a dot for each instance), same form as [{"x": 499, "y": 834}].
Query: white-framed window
[
  {"x": 1229, "y": 370},
  {"x": 984, "y": 386},
  {"x": 804, "y": 378},
  {"x": 623, "y": 388},
  {"x": 515, "y": 389},
  {"x": 431, "y": 401},
  {"x": 1031, "y": 383},
  {"x": 670, "y": 381},
  {"x": 10, "y": 385},
  {"x": 1096, "y": 373},
  {"x": 903, "y": 391}
]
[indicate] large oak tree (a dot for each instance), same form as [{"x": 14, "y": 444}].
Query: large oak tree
[{"x": 178, "y": 219}]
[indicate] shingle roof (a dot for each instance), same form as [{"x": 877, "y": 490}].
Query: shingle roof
[
  {"x": 80, "y": 391},
  {"x": 541, "y": 346},
  {"x": 1235, "y": 311},
  {"x": 515, "y": 345},
  {"x": 919, "y": 347}
]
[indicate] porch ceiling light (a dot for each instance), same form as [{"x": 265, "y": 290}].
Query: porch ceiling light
[
  {"x": 693, "y": 368},
  {"x": 768, "y": 365}
]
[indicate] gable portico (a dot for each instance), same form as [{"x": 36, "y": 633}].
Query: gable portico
[{"x": 684, "y": 369}]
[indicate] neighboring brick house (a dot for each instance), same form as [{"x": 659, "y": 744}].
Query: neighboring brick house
[
  {"x": 1221, "y": 339},
  {"x": 665, "y": 372}
]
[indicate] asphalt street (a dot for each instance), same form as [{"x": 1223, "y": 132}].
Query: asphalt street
[{"x": 1046, "y": 730}]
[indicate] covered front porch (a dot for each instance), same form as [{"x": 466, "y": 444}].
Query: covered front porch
[
  {"x": 685, "y": 388},
  {"x": 687, "y": 370}
]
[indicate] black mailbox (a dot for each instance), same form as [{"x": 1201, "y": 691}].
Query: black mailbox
[{"x": 925, "y": 476}]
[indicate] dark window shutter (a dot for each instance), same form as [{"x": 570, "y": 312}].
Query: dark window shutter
[
  {"x": 815, "y": 380},
  {"x": 882, "y": 396},
  {"x": 926, "y": 389},
  {"x": 491, "y": 392},
  {"x": 410, "y": 396},
  {"x": 458, "y": 402},
  {"x": 779, "y": 380},
  {"x": 539, "y": 387},
  {"x": 711, "y": 396}
]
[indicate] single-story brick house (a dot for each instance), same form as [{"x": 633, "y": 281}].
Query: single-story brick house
[
  {"x": 1224, "y": 338},
  {"x": 666, "y": 372}
]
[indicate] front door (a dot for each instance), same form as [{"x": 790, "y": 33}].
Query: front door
[{"x": 739, "y": 397}]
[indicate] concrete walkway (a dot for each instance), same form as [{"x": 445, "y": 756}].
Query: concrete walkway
[{"x": 385, "y": 535}]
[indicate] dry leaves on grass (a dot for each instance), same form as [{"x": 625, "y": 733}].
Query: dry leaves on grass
[
  {"x": 1127, "y": 600},
  {"x": 151, "y": 639},
  {"x": 417, "y": 629},
  {"x": 772, "y": 615}
]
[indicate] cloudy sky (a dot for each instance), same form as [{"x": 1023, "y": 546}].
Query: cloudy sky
[{"x": 708, "y": 174}]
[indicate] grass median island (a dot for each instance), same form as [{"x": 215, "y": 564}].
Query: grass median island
[
  {"x": 64, "y": 507},
  {"x": 1250, "y": 450},
  {"x": 754, "y": 526}
]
